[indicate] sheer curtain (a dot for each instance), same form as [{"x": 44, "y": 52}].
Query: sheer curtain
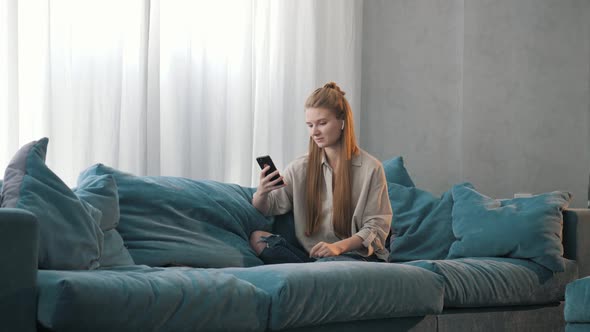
[{"x": 183, "y": 88}]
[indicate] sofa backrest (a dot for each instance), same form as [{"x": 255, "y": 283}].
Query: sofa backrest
[{"x": 576, "y": 238}]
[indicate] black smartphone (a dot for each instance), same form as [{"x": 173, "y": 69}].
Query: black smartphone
[{"x": 266, "y": 160}]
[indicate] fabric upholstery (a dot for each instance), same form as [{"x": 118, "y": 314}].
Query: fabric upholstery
[
  {"x": 101, "y": 192},
  {"x": 320, "y": 293},
  {"x": 396, "y": 172},
  {"x": 577, "y": 301},
  {"x": 140, "y": 298},
  {"x": 528, "y": 227},
  {"x": 114, "y": 252},
  {"x": 577, "y": 327},
  {"x": 495, "y": 281},
  {"x": 417, "y": 216},
  {"x": 179, "y": 221},
  {"x": 70, "y": 236},
  {"x": 19, "y": 238}
]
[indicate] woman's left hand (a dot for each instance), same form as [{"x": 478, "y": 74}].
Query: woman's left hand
[{"x": 323, "y": 249}]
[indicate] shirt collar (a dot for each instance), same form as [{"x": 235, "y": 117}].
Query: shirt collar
[{"x": 357, "y": 160}]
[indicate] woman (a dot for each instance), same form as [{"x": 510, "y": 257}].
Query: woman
[{"x": 337, "y": 192}]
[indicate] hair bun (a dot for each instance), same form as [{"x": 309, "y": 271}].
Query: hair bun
[{"x": 333, "y": 85}]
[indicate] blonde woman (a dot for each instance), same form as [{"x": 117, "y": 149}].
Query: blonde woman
[{"x": 337, "y": 192}]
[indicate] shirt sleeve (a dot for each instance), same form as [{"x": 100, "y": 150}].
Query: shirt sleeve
[
  {"x": 376, "y": 219},
  {"x": 280, "y": 201}
]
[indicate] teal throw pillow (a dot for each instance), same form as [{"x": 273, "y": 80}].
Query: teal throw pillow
[
  {"x": 421, "y": 227},
  {"x": 178, "y": 221},
  {"x": 70, "y": 236},
  {"x": 529, "y": 228},
  {"x": 101, "y": 192},
  {"x": 114, "y": 252},
  {"x": 396, "y": 172}
]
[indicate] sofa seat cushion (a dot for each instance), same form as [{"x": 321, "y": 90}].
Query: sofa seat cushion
[
  {"x": 497, "y": 281},
  {"x": 139, "y": 298},
  {"x": 577, "y": 327},
  {"x": 577, "y": 301},
  {"x": 326, "y": 292}
]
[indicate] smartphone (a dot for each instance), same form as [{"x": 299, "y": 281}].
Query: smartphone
[{"x": 266, "y": 160}]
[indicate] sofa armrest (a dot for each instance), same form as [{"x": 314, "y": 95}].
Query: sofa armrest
[
  {"x": 576, "y": 238},
  {"x": 19, "y": 241}
]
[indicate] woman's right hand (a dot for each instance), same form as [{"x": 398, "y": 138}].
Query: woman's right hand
[{"x": 266, "y": 185}]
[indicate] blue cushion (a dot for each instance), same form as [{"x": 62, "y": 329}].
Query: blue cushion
[
  {"x": 70, "y": 236},
  {"x": 577, "y": 301},
  {"x": 101, "y": 192},
  {"x": 179, "y": 221},
  {"x": 114, "y": 252},
  {"x": 485, "y": 282},
  {"x": 577, "y": 327},
  {"x": 326, "y": 292},
  {"x": 139, "y": 298},
  {"x": 417, "y": 216},
  {"x": 396, "y": 172},
  {"x": 520, "y": 228}
]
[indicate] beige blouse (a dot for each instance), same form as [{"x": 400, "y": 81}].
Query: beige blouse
[{"x": 372, "y": 213}]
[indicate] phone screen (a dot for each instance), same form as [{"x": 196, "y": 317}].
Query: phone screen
[{"x": 266, "y": 160}]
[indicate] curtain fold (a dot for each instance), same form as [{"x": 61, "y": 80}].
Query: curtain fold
[{"x": 182, "y": 88}]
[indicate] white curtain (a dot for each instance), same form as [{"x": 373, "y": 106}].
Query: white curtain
[{"x": 178, "y": 87}]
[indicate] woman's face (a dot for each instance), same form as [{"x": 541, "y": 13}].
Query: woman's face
[{"x": 324, "y": 128}]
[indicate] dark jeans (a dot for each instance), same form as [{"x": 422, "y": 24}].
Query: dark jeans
[{"x": 278, "y": 251}]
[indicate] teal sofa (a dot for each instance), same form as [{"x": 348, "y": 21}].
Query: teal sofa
[
  {"x": 329, "y": 296},
  {"x": 121, "y": 252},
  {"x": 577, "y": 305}
]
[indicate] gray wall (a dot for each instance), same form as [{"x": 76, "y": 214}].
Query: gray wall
[{"x": 493, "y": 92}]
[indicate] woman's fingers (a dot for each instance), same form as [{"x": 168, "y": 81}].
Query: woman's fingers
[
  {"x": 273, "y": 183},
  {"x": 271, "y": 175},
  {"x": 269, "y": 184},
  {"x": 315, "y": 251},
  {"x": 266, "y": 185},
  {"x": 266, "y": 178},
  {"x": 263, "y": 172}
]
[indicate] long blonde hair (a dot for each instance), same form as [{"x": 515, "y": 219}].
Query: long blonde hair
[{"x": 331, "y": 97}]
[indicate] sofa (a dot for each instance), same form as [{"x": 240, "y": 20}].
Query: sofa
[
  {"x": 577, "y": 302},
  {"x": 121, "y": 252}
]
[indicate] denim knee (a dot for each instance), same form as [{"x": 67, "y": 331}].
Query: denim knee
[{"x": 278, "y": 251}]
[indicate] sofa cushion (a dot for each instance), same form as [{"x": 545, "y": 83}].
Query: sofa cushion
[
  {"x": 179, "y": 221},
  {"x": 114, "y": 252},
  {"x": 395, "y": 172},
  {"x": 577, "y": 301},
  {"x": 101, "y": 192},
  {"x": 140, "y": 298},
  {"x": 577, "y": 327},
  {"x": 417, "y": 215},
  {"x": 528, "y": 227},
  {"x": 326, "y": 292},
  {"x": 70, "y": 236},
  {"x": 485, "y": 282}
]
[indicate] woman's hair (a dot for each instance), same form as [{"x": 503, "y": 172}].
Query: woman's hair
[{"x": 332, "y": 98}]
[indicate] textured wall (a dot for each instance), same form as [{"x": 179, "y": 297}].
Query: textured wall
[
  {"x": 492, "y": 92},
  {"x": 412, "y": 85}
]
